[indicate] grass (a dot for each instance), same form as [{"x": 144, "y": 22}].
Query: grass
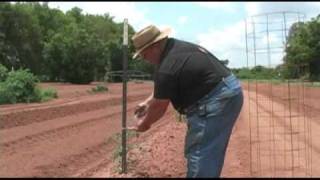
[
  {"x": 277, "y": 81},
  {"x": 117, "y": 153},
  {"x": 99, "y": 88},
  {"x": 48, "y": 94},
  {"x": 313, "y": 84},
  {"x": 280, "y": 81}
]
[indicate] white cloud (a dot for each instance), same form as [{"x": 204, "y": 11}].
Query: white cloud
[
  {"x": 119, "y": 10},
  {"x": 182, "y": 20},
  {"x": 230, "y": 43},
  {"x": 226, "y": 43},
  {"x": 272, "y": 39},
  {"x": 311, "y": 9},
  {"x": 226, "y": 6},
  {"x": 251, "y": 8}
]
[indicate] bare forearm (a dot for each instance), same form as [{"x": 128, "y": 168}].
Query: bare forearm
[{"x": 154, "y": 113}]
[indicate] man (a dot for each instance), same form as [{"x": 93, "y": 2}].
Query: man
[{"x": 199, "y": 86}]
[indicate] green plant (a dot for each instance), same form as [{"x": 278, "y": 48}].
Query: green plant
[
  {"x": 99, "y": 88},
  {"x": 48, "y": 94},
  {"x": 20, "y": 86},
  {"x": 5, "y": 95},
  {"x": 3, "y": 73},
  {"x": 117, "y": 153}
]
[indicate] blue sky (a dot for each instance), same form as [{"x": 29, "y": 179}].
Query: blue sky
[{"x": 218, "y": 26}]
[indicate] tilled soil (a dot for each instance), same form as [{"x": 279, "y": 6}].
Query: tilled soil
[
  {"x": 159, "y": 152},
  {"x": 74, "y": 136},
  {"x": 65, "y": 136}
]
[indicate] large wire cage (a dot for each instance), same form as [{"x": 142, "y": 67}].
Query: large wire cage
[{"x": 280, "y": 120}]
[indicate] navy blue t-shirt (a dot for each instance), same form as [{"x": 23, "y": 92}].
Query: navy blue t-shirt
[{"x": 186, "y": 73}]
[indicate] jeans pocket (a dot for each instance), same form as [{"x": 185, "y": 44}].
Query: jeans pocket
[
  {"x": 218, "y": 104},
  {"x": 195, "y": 134}
]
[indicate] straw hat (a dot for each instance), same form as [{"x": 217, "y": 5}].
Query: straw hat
[{"x": 148, "y": 36}]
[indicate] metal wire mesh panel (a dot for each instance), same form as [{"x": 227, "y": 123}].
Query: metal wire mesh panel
[{"x": 279, "y": 126}]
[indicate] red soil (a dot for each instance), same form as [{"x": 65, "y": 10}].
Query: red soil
[{"x": 73, "y": 136}]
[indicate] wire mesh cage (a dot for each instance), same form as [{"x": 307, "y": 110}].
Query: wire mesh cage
[{"x": 280, "y": 123}]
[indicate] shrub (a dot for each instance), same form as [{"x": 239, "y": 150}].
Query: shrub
[
  {"x": 22, "y": 83},
  {"x": 47, "y": 94},
  {"x": 99, "y": 88},
  {"x": 5, "y": 95},
  {"x": 3, "y": 73},
  {"x": 20, "y": 86}
]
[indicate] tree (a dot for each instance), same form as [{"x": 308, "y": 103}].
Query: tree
[
  {"x": 303, "y": 50},
  {"x": 59, "y": 46}
]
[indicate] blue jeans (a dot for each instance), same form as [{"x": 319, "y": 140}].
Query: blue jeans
[{"x": 210, "y": 122}]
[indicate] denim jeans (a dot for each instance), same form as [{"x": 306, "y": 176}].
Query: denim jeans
[{"x": 210, "y": 125}]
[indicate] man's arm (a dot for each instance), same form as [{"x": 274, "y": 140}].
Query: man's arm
[
  {"x": 156, "y": 109},
  {"x": 149, "y": 99}
]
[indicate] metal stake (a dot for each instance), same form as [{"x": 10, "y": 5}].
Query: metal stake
[{"x": 124, "y": 95}]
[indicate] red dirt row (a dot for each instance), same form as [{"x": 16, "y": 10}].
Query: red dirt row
[
  {"x": 159, "y": 152},
  {"x": 65, "y": 136},
  {"x": 74, "y": 136}
]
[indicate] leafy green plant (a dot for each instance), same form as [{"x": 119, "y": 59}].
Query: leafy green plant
[
  {"x": 117, "y": 153},
  {"x": 3, "y": 73},
  {"x": 5, "y": 95},
  {"x": 99, "y": 88},
  {"x": 20, "y": 86},
  {"x": 48, "y": 94}
]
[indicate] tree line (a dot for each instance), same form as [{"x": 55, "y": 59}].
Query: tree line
[
  {"x": 66, "y": 47},
  {"x": 302, "y": 59},
  {"x": 81, "y": 48}
]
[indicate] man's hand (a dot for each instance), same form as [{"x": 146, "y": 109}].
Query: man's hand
[
  {"x": 140, "y": 127},
  {"x": 139, "y": 114},
  {"x": 148, "y": 113}
]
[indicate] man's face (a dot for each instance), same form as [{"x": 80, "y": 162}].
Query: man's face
[{"x": 151, "y": 54}]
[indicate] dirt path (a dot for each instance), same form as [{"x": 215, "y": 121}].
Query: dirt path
[{"x": 283, "y": 135}]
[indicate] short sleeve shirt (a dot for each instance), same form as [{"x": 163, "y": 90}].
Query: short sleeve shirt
[{"x": 186, "y": 73}]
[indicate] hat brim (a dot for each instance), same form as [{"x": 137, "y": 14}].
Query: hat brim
[{"x": 162, "y": 35}]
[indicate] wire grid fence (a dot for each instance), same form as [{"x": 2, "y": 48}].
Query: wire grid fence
[{"x": 280, "y": 120}]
